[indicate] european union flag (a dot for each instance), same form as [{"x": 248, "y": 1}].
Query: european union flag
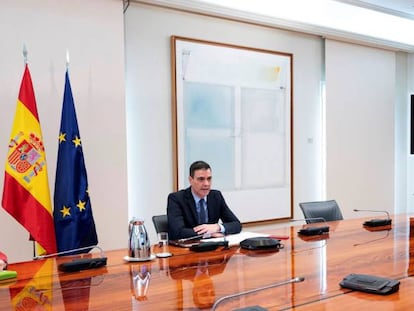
[{"x": 74, "y": 223}]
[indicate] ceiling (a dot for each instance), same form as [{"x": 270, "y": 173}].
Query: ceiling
[
  {"x": 334, "y": 19},
  {"x": 402, "y": 8}
]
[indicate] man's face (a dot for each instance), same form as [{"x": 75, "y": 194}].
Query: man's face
[{"x": 201, "y": 182}]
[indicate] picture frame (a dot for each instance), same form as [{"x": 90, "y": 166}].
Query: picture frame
[{"x": 232, "y": 107}]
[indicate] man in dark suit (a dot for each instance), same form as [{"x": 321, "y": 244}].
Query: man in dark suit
[{"x": 198, "y": 209}]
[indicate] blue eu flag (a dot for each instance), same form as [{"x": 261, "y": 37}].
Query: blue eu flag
[{"x": 74, "y": 224}]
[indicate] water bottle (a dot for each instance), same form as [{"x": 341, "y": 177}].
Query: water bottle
[{"x": 139, "y": 243}]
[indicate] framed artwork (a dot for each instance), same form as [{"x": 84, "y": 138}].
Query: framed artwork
[{"x": 232, "y": 107}]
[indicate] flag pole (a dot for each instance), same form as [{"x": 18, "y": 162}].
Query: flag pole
[{"x": 25, "y": 63}]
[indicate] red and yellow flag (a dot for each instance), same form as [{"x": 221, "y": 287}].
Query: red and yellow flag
[{"x": 26, "y": 194}]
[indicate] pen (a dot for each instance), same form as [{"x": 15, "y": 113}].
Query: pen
[{"x": 190, "y": 238}]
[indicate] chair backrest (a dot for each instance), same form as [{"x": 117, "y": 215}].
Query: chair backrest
[
  {"x": 324, "y": 210},
  {"x": 160, "y": 223}
]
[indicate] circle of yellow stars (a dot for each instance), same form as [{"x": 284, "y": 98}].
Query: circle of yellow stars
[{"x": 81, "y": 204}]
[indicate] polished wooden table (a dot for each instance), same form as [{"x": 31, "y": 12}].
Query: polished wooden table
[
  {"x": 401, "y": 300},
  {"x": 196, "y": 281}
]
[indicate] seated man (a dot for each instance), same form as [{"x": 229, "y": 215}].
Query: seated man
[{"x": 198, "y": 209}]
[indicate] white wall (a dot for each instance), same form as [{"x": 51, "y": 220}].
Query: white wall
[
  {"x": 364, "y": 109},
  {"x": 410, "y": 161},
  {"x": 92, "y": 32},
  {"x": 149, "y": 109},
  {"x": 360, "y": 101},
  {"x": 402, "y": 136}
]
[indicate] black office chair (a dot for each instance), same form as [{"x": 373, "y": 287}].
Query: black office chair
[
  {"x": 160, "y": 223},
  {"x": 321, "y": 211}
]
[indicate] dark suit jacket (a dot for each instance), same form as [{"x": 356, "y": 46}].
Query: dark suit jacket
[{"x": 182, "y": 214}]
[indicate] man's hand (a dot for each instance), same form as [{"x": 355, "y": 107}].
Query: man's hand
[{"x": 207, "y": 229}]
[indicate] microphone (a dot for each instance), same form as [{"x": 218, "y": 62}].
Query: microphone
[
  {"x": 225, "y": 242},
  {"x": 313, "y": 230},
  {"x": 309, "y": 219},
  {"x": 70, "y": 251},
  {"x": 220, "y": 300},
  {"x": 376, "y": 222},
  {"x": 80, "y": 263}
]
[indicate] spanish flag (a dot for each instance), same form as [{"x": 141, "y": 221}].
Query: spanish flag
[{"x": 26, "y": 194}]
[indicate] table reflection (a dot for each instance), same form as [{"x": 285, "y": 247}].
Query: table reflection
[
  {"x": 200, "y": 272},
  {"x": 140, "y": 279}
]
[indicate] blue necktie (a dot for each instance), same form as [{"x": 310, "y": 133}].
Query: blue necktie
[{"x": 201, "y": 212}]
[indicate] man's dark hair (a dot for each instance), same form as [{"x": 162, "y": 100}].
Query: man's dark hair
[{"x": 198, "y": 165}]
